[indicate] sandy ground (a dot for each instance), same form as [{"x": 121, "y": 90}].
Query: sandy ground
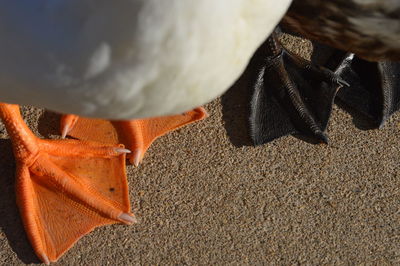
[{"x": 204, "y": 195}]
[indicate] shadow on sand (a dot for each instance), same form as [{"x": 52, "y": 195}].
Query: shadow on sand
[
  {"x": 10, "y": 221},
  {"x": 236, "y": 103},
  {"x": 48, "y": 124}
]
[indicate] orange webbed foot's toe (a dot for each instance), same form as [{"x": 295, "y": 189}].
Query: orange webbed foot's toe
[
  {"x": 65, "y": 188},
  {"x": 137, "y": 135}
]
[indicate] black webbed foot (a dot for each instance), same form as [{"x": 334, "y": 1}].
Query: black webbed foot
[
  {"x": 291, "y": 96},
  {"x": 374, "y": 90}
]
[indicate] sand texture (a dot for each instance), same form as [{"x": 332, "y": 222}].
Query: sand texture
[{"x": 204, "y": 195}]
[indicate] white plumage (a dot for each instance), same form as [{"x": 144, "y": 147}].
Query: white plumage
[{"x": 125, "y": 59}]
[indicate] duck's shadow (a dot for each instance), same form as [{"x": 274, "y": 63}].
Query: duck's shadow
[
  {"x": 236, "y": 103},
  {"x": 48, "y": 124},
  {"x": 10, "y": 221}
]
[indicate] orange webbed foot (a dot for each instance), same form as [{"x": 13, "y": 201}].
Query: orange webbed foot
[
  {"x": 137, "y": 135},
  {"x": 65, "y": 188}
]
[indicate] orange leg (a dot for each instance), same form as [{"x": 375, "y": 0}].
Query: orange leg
[
  {"x": 136, "y": 135},
  {"x": 65, "y": 188}
]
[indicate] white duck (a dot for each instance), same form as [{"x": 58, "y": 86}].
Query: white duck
[
  {"x": 127, "y": 59},
  {"x": 120, "y": 59}
]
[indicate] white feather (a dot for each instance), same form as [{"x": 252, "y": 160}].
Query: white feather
[{"x": 127, "y": 58}]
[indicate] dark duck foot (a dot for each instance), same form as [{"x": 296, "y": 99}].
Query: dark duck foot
[
  {"x": 374, "y": 90},
  {"x": 291, "y": 96}
]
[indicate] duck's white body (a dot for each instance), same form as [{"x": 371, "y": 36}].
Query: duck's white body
[{"x": 127, "y": 58}]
